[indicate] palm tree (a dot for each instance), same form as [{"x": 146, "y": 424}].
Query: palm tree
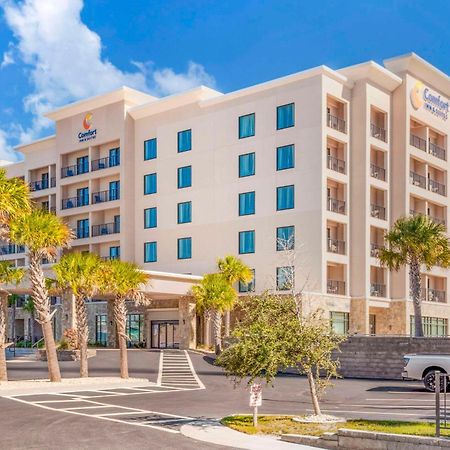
[
  {"x": 29, "y": 308},
  {"x": 8, "y": 275},
  {"x": 123, "y": 280},
  {"x": 80, "y": 272},
  {"x": 213, "y": 296},
  {"x": 415, "y": 241},
  {"x": 234, "y": 270},
  {"x": 14, "y": 197},
  {"x": 42, "y": 233}
]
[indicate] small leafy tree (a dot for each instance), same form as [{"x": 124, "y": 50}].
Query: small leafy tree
[
  {"x": 273, "y": 336},
  {"x": 80, "y": 272},
  {"x": 213, "y": 296},
  {"x": 43, "y": 234},
  {"x": 8, "y": 275},
  {"x": 414, "y": 241},
  {"x": 123, "y": 280}
]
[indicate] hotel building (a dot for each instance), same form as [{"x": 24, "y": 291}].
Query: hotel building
[{"x": 324, "y": 159}]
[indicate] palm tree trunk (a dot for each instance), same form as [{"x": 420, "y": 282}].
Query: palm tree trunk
[
  {"x": 217, "y": 332},
  {"x": 313, "y": 392},
  {"x": 3, "y": 322},
  {"x": 227, "y": 323},
  {"x": 42, "y": 306},
  {"x": 415, "y": 287},
  {"x": 32, "y": 328},
  {"x": 83, "y": 334},
  {"x": 120, "y": 317}
]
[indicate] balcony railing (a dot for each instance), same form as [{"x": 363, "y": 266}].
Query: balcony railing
[
  {"x": 338, "y": 165},
  {"x": 435, "y": 150},
  {"x": 336, "y": 246},
  {"x": 418, "y": 142},
  {"x": 10, "y": 249},
  {"x": 377, "y": 211},
  {"x": 335, "y": 205},
  {"x": 375, "y": 249},
  {"x": 336, "y": 123},
  {"x": 104, "y": 163},
  {"x": 105, "y": 196},
  {"x": 109, "y": 258},
  {"x": 435, "y": 186},
  {"x": 414, "y": 213},
  {"x": 377, "y": 290},
  {"x": 71, "y": 171},
  {"x": 378, "y": 132},
  {"x": 433, "y": 295},
  {"x": 74, "y": 202},
  {"x": 336, "y": 287},
  {"x": 417, "y": 180},
  {"x": 105, "y": 228},
  {"x": 377, "y": 172},
  {"x": 437, "y": 220},
  {"x": 42, "y": 184}
]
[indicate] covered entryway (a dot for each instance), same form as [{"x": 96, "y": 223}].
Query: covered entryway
[{"x": 165, "y": 334}]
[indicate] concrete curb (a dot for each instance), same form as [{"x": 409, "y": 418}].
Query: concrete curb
[{"x": 214, "y": 432}]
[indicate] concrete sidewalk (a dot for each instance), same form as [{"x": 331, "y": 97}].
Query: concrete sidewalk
[{"x": 215, "y": 433}]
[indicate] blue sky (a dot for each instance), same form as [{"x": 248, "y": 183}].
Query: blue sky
[{"x": 57, "y": 51}]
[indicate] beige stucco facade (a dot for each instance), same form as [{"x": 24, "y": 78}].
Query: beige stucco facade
[{"x": 365, "y": 155}]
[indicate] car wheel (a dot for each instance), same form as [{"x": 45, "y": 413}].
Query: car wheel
[{"x": 429, "y": 382}]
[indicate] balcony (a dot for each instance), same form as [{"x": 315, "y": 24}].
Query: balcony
[
  {"x": 71, "y": 171},
  {"x": 105, "y": 196},
  {"x": 375, "y": 249},
  {"x": 377, "y": 290},
  {"x": 109, "y": 258},
  {"x": 74, "y": 202},
  {"x": 335, "y": 205},
  {"x": 377, "y": 211},
  {"x": 433, "y": 295},
  {"x": 336, "y": 164},
  {"x": 336, "y": 123},
  {"x": 438, "y": 220},
  {"x": 418, "y": 142},
  {"x": 11, "y": 249},
  {"x": 377, "y": 172},
  {"x": 81, "y": 233},
  {"x": 105, "y": 229},
  {"x": 417, "y": 180},
  {"x": 378, "y": 132},
  {"x": 336, "y": 287},
  {"x": 42, "y": 184},
  {"x": 436, "y": 187},
  {"x": 437, "y": 151},
  {"x": 104, "y": 163},
  {"x": 336, "y": 246}
]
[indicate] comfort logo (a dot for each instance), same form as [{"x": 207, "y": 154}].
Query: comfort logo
[
  {"x": 416, "y": 95},
  {"x": 87, "y": 121}
]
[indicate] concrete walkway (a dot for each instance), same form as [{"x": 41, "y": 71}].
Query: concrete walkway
[{"x": 215, "y": 433}]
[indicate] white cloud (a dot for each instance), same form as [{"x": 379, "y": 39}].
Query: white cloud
[
  {"x": 66, "y": 62},
  {"x": 8, "y": 57},
  {"x": 7, "y": 154}
]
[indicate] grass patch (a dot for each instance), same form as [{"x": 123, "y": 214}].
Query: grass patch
[{"x": 284, "y": 424}]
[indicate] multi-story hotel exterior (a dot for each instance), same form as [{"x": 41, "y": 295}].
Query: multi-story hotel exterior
[{"x": 325, "y": 159}]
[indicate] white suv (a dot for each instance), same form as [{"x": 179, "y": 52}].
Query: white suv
[{"x": 422, "y": 367}]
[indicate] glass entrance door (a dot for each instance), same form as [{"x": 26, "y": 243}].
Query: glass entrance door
[{"x": 165, "y": 334}]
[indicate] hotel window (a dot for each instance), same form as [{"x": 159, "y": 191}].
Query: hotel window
[
  {"x": 184, "y": 141},
  {"x": 285, "y": 197},
  {"x": 248, "y": 287},
  {"x": 184, "y": 177},
  {"x": 150, "y": 149},
  {"x": 101, "y": 329},
  {"x": 184, "y": 212},
  {"x": 185, "y": 248},
  {"x": 285, "y": 278},
  {"x": 82, "y": 228},
  {"x": 285, "y": 157},
  {"x": 150, "y": 252},
  {"x": 246, "y": 165},
  {"x": 285, "y": 116},
  {"x": 82, "y": 197},
  {"x": 432, "y": 326},
  {"x": 150, "y": 218},
  {"x": 339, "y": 322},
  {"x": 114, "y": 157},
  {"x": 247, "y": 203},
  {"x": 82, "y": 164},
  {"x": 135, "y": 329},
  {"x": 246, "y": 242},
  {"x": 285, "y": 238},
  {"x": 150, "y": 184},
  {"x": 247, "y": 126},
  {"x": 114, "y": 252},
  {"x": 114, "y": 190}
]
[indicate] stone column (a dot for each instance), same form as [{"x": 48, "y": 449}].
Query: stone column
[
  {"x": 111, "y": 328},
  {"x": 68, "y": 317},
  {"x": 207, "y": 331},
  {"x": 359, "y": 316},
  {"x": 187, "y": 323}
]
